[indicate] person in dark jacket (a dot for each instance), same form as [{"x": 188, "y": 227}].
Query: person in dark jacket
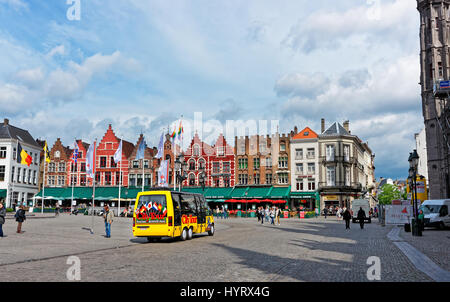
[
  {"x": 2, "y": 218},
  {"x": 325, "y": 212},
  {"x": 20, "y": 218},
  {"x": 361, "y": 216},
  {"x": 347, "y": 216}
]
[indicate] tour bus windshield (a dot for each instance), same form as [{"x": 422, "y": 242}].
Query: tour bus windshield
[
  {"x": 151, "y": 209},
  {"x": 430, "y": 209}
]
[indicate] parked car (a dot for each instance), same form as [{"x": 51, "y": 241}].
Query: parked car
[{"x": 436, "y": 213}]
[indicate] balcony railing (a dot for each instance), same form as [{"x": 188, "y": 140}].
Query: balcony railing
[
  {"x": 341, "y": 185},
  {"x": 338, "y": 159}
]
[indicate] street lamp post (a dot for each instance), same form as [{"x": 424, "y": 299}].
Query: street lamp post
[
  {"x": 181, "y": 166},
  {"x": 202, "y": 177},
  {"x": 413, "y": 163}
]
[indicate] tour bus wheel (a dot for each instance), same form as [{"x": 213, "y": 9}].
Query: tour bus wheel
[
  {"x": 211, "y": 231},
  {"x": 190, "y": 233},
  {"x": 183, "y": 236}
]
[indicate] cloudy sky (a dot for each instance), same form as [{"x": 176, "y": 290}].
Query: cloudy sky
[{"x": 142, "y": 64}]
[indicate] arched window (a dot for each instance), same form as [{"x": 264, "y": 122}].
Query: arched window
[
  {"x": 192, "y": 179},
  {"x": 192, "y": 164},
  {"x": 201, "y": 163}
]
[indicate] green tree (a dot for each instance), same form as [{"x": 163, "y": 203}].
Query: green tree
[{"x": 388, "y": 194}]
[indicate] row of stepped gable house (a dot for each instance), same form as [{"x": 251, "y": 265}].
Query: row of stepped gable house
[{"x": 302, "y": 169}]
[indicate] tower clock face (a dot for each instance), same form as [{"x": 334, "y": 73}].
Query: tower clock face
[{"x": 57, "y": 154}]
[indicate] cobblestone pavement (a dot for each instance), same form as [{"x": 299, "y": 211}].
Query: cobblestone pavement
[
  {"x": 242, "y": 249},
  {"x": 434, "y": 243}
]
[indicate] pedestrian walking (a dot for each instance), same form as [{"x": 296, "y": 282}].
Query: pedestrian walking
[
  {"x": 272, "y": 216},
  {"x": 20, "y": 218},
  {"x": 57, "y": 209},
  {"x": 258, "y": 213},
  {"x": 361, "y": 216},
  {"x": 347, "y": 216},
  {"x": 267, "y": 214},
  {"x": 2, "y": 218},
  {"x": 278, "y": 214},
  {"x": 316, "y": 210},
  {"x": 108, "y": 216},
  {"x": 325, "y": 212},
  {"x": 262, "y": 213}
]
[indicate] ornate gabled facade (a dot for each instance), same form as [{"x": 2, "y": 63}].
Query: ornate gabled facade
[
  {"x": 346, "y": 167},
  {"x": 76, "y": 174},
  {"x": 107, "y": 171},
  {"x": 56, "y": 171},
  {"x": 263, "y": 160},
  {"x": 142, "y": 169},
  {"x": 217, "y": 160}
]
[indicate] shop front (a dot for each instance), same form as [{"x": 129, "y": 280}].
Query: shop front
[{"x": 308, "y": 201}]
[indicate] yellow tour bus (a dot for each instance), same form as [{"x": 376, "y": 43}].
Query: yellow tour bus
[{"x": 163, "y": 213}]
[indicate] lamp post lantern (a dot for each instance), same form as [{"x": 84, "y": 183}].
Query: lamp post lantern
[{"x": 413, "y": 163}]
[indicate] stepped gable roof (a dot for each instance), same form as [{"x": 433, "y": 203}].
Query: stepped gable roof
[
  {"x": 11, "y": 132},
  {"x": 306, "y": 133},
  {"x": 58, "y": 145},
  {"x": 222, "y": 142},
  {"x": 335, "y": 129},
  {"x": 205, "y": 148},
  {"x": 127, "y": 147},
  {"x": 148, "y": 151}
]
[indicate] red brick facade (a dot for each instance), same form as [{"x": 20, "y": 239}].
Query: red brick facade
[
  {"x": 107, "y": 172},
  {"x": 218, "y": 160}
]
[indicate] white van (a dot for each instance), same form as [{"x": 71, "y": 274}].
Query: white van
[
  {"x": 436, "y": 213},
  {"x": 360, "y": 203}
]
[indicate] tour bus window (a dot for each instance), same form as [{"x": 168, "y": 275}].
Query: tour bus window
[
  {"x": 176, "y": 208},
  {"x": 188, "y": 204}
]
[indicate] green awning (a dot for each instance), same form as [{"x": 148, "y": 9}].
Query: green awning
[
  {"x": 219, "y": 193},
  {"x": 238, "y": 192},
  {"x": 52, "y": 193},
  {"x": 197, "y": 190},
  {"x": 314, "y": 195},
  {"x": 3, "y": 193},
  {"x": 279, "y": 192},
  {"x": 257, "y": 192}
]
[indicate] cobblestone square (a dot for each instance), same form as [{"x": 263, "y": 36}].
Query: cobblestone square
[{"x": 242, "y": 250}]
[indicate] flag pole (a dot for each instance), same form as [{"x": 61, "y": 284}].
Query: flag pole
[
  {"x": 120, "y": 180},
  {"x": 143, "y": 172},
  {"x": 73, "y": 155},
  {"x": 174, "y": 159},
  {"x": 43, "y": 183},
  {"x": 93, "y": 191}
]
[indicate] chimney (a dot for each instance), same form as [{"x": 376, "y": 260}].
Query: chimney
[
  {"x": 322, "y": 126},
  {"x": 347, "y": 126},
  {"x": 295, "y": 130},
  {"x": 6, "y": 122}
]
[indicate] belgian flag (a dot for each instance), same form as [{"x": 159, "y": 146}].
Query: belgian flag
[{"x": 23, "y": 157}]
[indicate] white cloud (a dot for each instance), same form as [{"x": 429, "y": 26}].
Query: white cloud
[
  {"x": 302, "y": 84},
  {"x": 33, "y": 86},
  {"x": 390, "y": 86},
  {"x": 330, "y": 29},
  {"x": 17, "y": 4},
  {"x": 58, "y": 50}
]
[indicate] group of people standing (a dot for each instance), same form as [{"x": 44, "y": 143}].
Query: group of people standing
[
  {"x": 20, "y": 218},
  {"x": 273, "y": 213},
  {"x": 222, "y": 212}
]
